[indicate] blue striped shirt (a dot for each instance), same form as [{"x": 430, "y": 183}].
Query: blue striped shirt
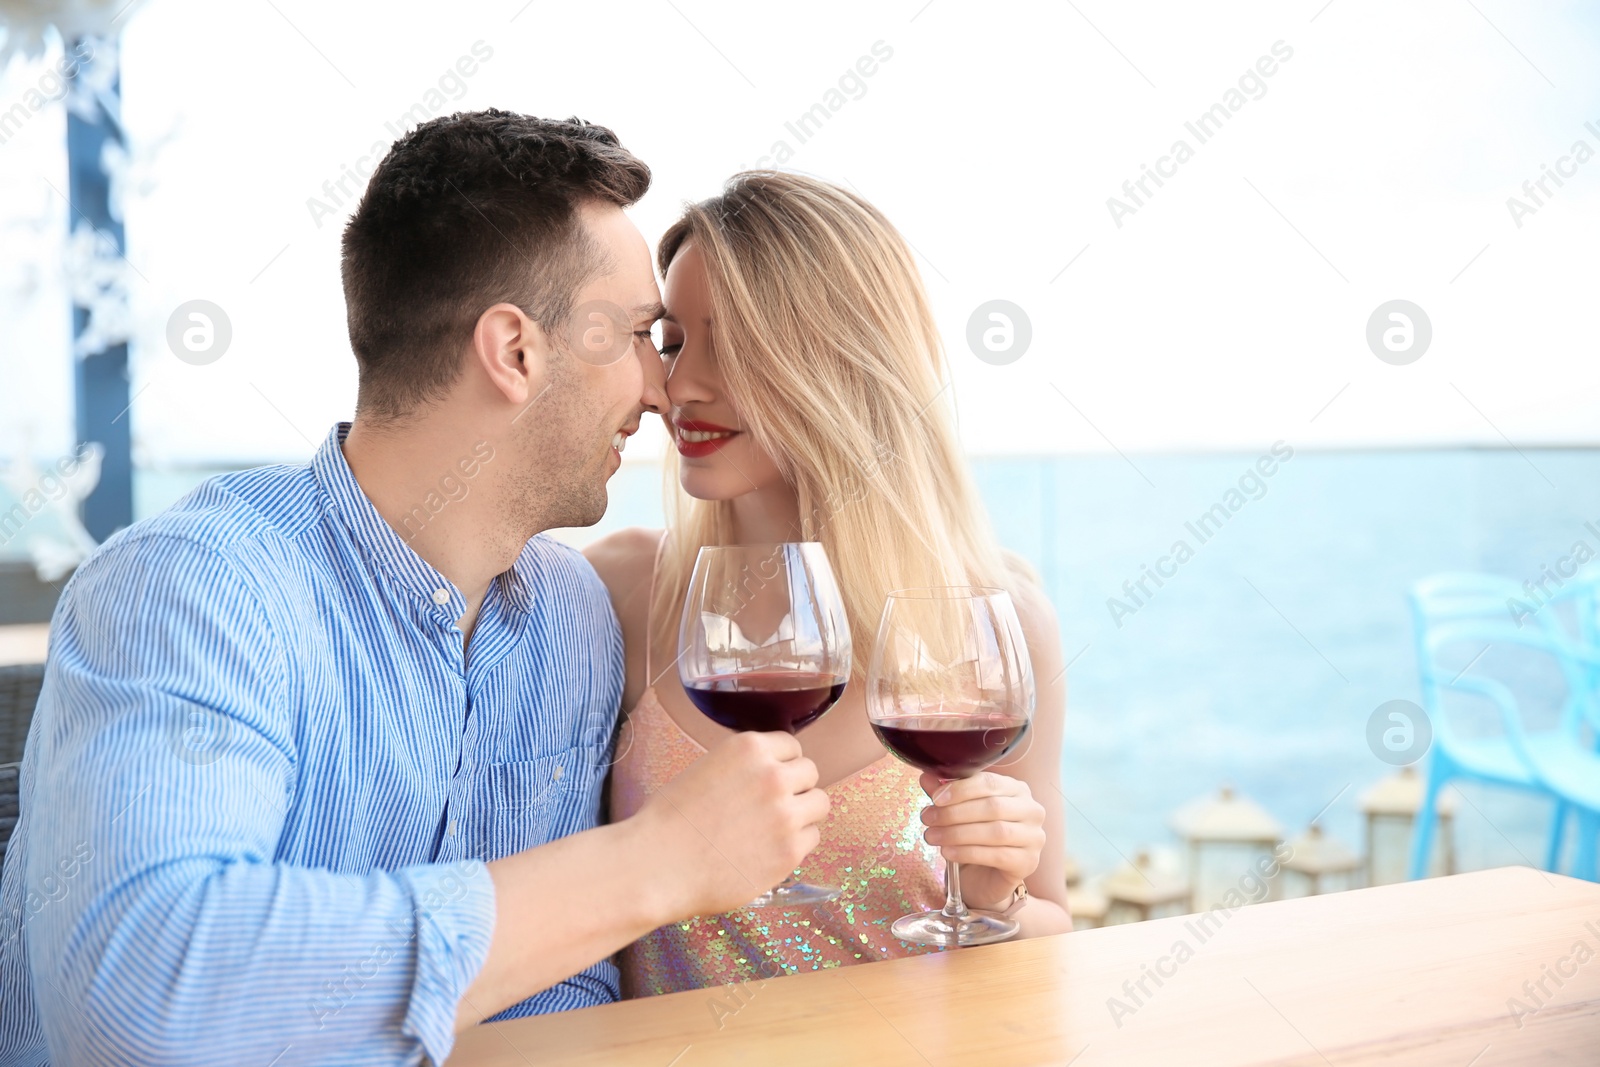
[{"x": 263, "y": 779}]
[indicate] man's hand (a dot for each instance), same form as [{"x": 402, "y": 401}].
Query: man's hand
[{"x": 735, "y": 823}]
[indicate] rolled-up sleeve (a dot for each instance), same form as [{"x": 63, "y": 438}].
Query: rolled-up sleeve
[
  {"x": 586, "y": 989},
  {"x": 165, "y": 769}
]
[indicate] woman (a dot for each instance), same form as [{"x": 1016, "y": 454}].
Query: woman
[{"x": 803, "y": 368}]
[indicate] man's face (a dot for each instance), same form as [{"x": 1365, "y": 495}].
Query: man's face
[{"x": 604, "y": 372}]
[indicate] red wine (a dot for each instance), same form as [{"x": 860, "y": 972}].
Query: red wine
[
  {"x": 950, "y": 746},
  {"x": 766, "y": 700}
]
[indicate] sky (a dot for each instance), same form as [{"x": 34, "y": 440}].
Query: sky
[{"x": 1360, "y": 153}]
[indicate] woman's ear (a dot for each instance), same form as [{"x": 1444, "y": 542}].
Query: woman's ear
[{"x": 513, "y": 352}]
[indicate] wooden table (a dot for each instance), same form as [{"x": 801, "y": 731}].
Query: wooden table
[{"x": 1418, "y": 973}]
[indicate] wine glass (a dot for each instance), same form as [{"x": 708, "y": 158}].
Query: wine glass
[
  {"x": 950, "y": 690},
  {"x": 764, "y": 644}
]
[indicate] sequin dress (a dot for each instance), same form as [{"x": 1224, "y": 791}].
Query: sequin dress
[{"x": 871, "y": 847}]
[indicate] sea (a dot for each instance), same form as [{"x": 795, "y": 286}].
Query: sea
[{"x": 1236, "y": 619}]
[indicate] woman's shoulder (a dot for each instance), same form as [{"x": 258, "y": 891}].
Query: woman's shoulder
[
  {"x": 1034, "y": 610},
  {"x": 624, "y": 559}
]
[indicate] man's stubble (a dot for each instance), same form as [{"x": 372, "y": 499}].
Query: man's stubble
[{"x": 560, "y": 479}]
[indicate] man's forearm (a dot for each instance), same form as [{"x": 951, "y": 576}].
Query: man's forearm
[
  {"x": 196, "y": 962},
  {"x": 561, "y": 907},
  {"x": 736, "y": 821}
]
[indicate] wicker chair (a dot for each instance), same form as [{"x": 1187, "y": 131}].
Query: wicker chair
[
  {"x": 8, "y": 804},
  {"x": 19, "y": 692}
]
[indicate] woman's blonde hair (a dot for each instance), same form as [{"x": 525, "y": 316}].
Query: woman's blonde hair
[{"x": 829, "y": 353}]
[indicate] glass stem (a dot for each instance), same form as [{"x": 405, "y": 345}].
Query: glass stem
[{"x": 954, "y": 909}]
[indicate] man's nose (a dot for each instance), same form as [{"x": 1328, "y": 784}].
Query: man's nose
[{"x": 654, "y": 395}]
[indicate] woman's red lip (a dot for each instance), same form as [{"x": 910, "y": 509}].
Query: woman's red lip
[
  {"x": 697, "y": 449},
  {"x": 702, "y": 427}
]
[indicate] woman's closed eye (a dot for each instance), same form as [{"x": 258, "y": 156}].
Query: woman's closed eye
[{"x": 671, "y": 340}]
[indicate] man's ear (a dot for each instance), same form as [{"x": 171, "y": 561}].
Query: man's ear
[{"x": 513, "y": 352}]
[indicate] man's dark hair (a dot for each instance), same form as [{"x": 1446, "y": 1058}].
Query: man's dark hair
[{"x": 467, "y": 211}]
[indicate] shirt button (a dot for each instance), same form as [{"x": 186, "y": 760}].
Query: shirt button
[
  {"x": 558, "y": 772},
  {"x": 441, "y": 597},
  {"x": 451, "y": 831}
]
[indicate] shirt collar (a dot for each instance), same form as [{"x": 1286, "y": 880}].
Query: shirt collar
[{"x": 385, "y": 551}]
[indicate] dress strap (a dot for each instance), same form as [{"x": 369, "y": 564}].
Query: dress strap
[{"x": 650, "y": 613}]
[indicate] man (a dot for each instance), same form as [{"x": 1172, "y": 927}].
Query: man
[{"x": 316, "y": 770}]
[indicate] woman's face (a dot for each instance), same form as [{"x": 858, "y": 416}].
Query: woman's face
[{"x": 720, "y": 460}]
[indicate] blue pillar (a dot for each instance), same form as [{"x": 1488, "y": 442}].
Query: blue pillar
[{"x": 102, "y": 377}]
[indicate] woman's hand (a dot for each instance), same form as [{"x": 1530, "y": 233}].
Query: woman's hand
[{"x": 992, "y": 826}]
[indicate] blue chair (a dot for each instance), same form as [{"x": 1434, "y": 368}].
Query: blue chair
[
  {"x": 1476, "y": 608},
  {"x": 1553, "y": 762}
]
